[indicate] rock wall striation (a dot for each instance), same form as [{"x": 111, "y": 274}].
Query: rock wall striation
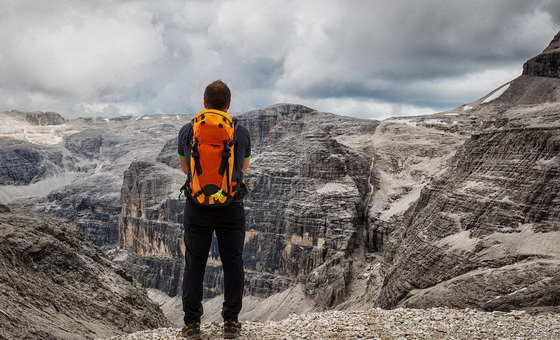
[
  {"x": 150, "y": 226},
  {"x": 22, "y": 163},
  {"x": 497, "y": 205}
]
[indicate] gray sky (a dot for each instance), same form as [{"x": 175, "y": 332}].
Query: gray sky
[{"x": 370, "y": 59}]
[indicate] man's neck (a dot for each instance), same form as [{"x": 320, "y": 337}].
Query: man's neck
[{"x": 207, "y": 108}]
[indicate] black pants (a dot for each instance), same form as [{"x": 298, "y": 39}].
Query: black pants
[{"x": 200, "y": 223}]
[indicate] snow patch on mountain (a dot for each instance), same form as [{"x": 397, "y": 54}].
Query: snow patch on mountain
[
  {"x": 14, "y": 127},
  {"x": 408, "y": 122},
  {"x": 9, "y": 193},
  {"x": 496, "y": 94},
  {"x": 331, "y": 187}
]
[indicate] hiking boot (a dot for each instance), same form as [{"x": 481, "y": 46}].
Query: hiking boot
[
  {"x": 232, "y": 328},
  {"x": 191, "y": 331}
]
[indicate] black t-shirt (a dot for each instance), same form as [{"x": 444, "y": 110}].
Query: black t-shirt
[{"x": 242, "y": 148}]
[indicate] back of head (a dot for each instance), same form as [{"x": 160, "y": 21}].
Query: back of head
[{"x": 217, "y": 96}]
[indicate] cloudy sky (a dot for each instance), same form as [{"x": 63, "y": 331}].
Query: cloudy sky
[{"x": 370, "y": 59}]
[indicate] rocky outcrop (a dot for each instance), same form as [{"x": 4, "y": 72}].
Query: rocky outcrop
[
  {"x": 4, "y": 209},
  {"x": 543, "y": 65},
  {"x": 87, "y": 143},
  {"x": 54, "y": 284},
  {"x": 546, "y": 64},
  {"x": 90, "y": 203},
  {"x": 497, "y": 205},
  {"x": 408, "y": 153},
  {"x": 306, "y": 208},
  {"x": 533, "y": 286},
  {"x": 168, "y": 154}
]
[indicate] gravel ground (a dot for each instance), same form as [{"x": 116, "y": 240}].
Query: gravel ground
[{"x": 434, "y": 323}]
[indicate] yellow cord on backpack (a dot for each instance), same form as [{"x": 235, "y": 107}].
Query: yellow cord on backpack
[{"x": 218, "y": 196}]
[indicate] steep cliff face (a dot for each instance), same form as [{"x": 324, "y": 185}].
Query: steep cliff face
[
  {"x": 306, "y": 210},
  {"x": 546, "y": 64},
  {"x": 150, "y": 225},
  {"x": 408, "y": 153},
  {"x": 54, "y": 284}
]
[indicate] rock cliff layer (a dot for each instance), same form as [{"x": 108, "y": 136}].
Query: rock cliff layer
[
  {"x": 23, "y": 163},
  {"x": 306, "y": 210},
  {"x": 150, "y": 225}
]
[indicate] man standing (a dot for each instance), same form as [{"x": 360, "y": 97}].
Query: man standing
[{"x": 226, "y": 217}]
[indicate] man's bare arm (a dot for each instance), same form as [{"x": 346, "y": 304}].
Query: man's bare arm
[
  {"x": 245, "y": 166},
  {"x": 184, "y": 165}
]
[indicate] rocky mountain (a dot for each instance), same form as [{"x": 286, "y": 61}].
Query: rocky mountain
[
  {"x": 491, "y": 218},
  {"x": 485, "y": 233},
  {"x": 325, "y": 193},
  {"x": 55, "y": 284},
  {"x": 314, "y": 180},
  {"x": 458, "y": 208}
]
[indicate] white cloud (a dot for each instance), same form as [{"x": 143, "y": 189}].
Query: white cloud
[
  {"x": 363, "y": 58},
  {"x": 367, "y": 49},
  {"x": 80, "y": 50},
  {"x": 471, "y": 85},
  {"x": 254, "y": 30}
]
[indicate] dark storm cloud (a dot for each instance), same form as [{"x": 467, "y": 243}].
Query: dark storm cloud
[
  {"x": 553, "y": 7},
  {"x": 384, "y": 49},
  {"x": 364, "y": 58}
]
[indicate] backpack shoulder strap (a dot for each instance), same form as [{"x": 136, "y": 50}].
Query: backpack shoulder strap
[{"x": 236, "y": 125}]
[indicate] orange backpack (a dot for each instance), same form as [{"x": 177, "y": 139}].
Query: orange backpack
[{"x": 212, "y": 159}]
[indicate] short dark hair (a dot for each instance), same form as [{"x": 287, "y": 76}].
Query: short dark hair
[{"x": 217, "y": 95}]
